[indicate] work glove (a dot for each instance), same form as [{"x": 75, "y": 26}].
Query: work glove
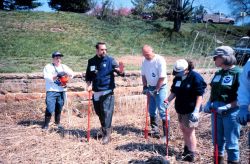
[
  {"x": 208, "y": 107},
  {"x": 223, "y": 109},
  {"x": 58, "y": 82},
  {"x": 194, "y": 117},
  {"x": 61, "y": 74},
  {"x": 243, "y": 116},
  {"x": 166, "y": 104},
  {"x": 145, "y": 90}
]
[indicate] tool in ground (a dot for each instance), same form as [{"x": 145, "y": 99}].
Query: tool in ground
[
  {"x": 89, "y": 108},
  {"x": 166, "y": 161},
  {"x": 146, "y": 123},
  {"x": 216, "y": 153}
]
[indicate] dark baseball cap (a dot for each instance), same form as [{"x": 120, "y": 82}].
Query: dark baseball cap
[{"x": 57, "y": 53}]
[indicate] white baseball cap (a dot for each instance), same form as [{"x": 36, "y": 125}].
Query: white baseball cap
[{"x": 180, "y": 66}]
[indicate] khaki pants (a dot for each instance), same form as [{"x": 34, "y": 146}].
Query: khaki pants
[{"x": 184, "y": 119}]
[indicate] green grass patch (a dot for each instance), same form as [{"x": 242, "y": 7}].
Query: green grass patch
[{"x": 29, "y": 38}]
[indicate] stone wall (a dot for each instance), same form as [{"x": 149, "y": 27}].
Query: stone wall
[
  {"x": 16, "y": 87},
  {"x": 31, "y": 86}
]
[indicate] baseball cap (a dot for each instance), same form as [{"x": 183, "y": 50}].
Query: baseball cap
[
  {"x": 56, "y": 53},
  {"x": 180, "y": 66},
  {"x": 223, "y": 51}
]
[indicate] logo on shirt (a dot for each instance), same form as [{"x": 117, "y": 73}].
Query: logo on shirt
[
  {"x": 104, "y": 65},
  {"x": 92, "y": 68},
  {"x": 153, "y": 74},
  {"x": 227, "y": 80}
]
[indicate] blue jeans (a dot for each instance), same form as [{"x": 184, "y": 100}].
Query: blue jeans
[
  {"x": 54, "y": 102},
  {"x": 156, "y": 101},
  {"x": 228, "y": 132}
]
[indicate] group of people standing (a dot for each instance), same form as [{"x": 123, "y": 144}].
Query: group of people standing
[{"x": 187, "y": 89}]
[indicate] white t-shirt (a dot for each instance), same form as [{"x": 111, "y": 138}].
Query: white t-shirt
[
  {"x": 49, "y": 72},
  {"x": 154, "y": 69}
]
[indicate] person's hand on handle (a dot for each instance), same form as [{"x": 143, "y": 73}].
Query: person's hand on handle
[
  {"x": 223, "y": 109},
  {"x": 166, "y": 103}
]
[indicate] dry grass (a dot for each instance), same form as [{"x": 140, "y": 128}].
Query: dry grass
[{"x": 23, "y": 141}]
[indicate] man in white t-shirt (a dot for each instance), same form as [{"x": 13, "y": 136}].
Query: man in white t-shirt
[
  {"x": 154, "y": 79},
  {"x": 56, "y": 76}
]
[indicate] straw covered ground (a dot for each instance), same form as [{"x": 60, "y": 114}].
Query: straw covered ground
[{"x": 23, "y": 141}]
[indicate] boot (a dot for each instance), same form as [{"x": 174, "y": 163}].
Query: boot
[
  {"x": 154, "y": 128},
  {"x": 106, "y": 136},
  {"x": 57, "y": 120},
  {"x": 99, "y": 133},
  {"x": 163, "y": 139},
  {"x": 46, "y": 122},
  {"x": 185, "y": 152},
  {"x": 190, "y": 156},
  {"x": 221, "y": 159}
]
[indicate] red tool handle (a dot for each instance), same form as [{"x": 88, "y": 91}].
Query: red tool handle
[
  {"x": 216, "y": 153},
  {"x": 146, "y": 123},
  {"x": 88, "y": 131},
  {"x": 166, "y": 133}
]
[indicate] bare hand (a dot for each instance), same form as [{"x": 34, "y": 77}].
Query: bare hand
[{"x": 121, "y": 67}]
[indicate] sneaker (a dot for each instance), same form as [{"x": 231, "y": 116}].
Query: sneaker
[{"x": 186, "y": 151}]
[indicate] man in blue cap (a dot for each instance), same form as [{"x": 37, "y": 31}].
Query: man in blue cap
[{"x": 56, "y": 75}]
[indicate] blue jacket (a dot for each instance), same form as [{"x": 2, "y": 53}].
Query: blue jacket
[
  {"x": 186, "y": 92},
  {"x": 100, "y": 71}
]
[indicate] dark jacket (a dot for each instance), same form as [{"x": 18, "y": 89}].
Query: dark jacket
[
  {"x": 100, "y": 71},
  {"x": 224, "y": 85},
  {"x": 186, "y": 92}
]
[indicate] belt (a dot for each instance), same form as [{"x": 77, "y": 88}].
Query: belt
[{"x": 155, "y": 86}]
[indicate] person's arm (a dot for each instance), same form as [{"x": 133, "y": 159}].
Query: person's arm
[
  {"x": 162, "y": 73},
  {"x": 168, "y": 100},
  {"x": 144, "y": 81},
  {"x": 48, "y": 74},
  {"x": 170, "y": 97},
  {"x": 198, "y": 104},
  {"x": 88, "y": 78},
  {"x": 118, "y": 68},
  {"x": 69, "y": 71},
  {"x": 244, "y": 87},
  {"x": 159, "y": 83}
]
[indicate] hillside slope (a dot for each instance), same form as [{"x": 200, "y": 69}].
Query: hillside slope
[{"x": 29, "y": 38}]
